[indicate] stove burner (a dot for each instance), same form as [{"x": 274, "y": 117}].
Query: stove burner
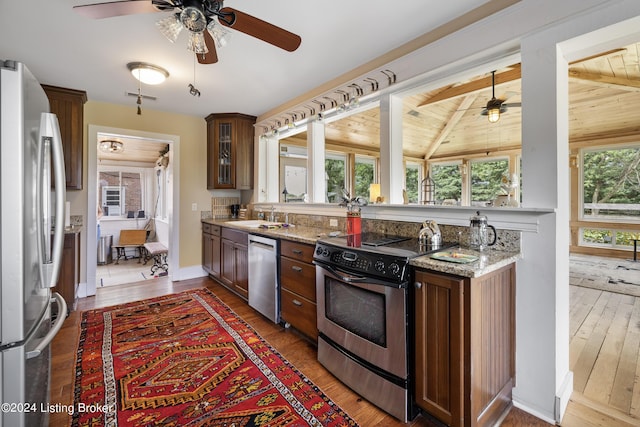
[{"x": 383, "y": 241}]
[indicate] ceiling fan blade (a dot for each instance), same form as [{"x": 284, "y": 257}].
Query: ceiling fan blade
[
  {"x": 513, "y": 104},
  {"x": 115, "y": 8},
  {"x": 259, "y": 29},
  {"x": 210, "y": 57}
]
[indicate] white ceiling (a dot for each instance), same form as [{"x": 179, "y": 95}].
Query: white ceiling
[{"x": 63, "y": 48}]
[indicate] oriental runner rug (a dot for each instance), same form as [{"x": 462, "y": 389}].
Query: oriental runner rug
[{"x": 188, "y": 360}]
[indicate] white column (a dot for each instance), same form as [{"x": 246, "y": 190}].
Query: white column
[
  {"x": 391, "y": 159},
  {"x": 267, "y": 171},
  {"x": 544, "y": 382},
  {"x": 316, "y": 183}
]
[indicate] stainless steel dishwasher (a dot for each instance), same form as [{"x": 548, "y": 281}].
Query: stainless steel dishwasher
[{"x": 264, "y": 285}]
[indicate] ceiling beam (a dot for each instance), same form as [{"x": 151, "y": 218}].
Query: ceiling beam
[
  {"x": 514, "y": 73},
  {"x": 606, "y": 81},
  {"x": 452, "y": 122}
]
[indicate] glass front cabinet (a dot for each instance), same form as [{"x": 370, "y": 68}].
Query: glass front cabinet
[{"x": 230, "y": 151}]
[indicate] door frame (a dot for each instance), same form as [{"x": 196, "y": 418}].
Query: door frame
[{"x": 173, "y": 216}]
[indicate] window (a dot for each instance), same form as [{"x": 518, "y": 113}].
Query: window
[
  {"x": 120, "y": 192},
  {"x": 412, "y": 180},
  {"x": 486, "y": 180},
  {"x": 364, "y": 175},
  {"x": 448, "y": 180},
  {"x": 293, "y": 173},
  {"x": 611, "y": 183},
  {"x": 335, "y": 166}
]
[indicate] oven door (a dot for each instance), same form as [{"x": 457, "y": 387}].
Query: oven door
[{"x": 363, "y": 316}]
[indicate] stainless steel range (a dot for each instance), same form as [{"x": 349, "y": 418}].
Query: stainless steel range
[{"x": 362, "y": 291}]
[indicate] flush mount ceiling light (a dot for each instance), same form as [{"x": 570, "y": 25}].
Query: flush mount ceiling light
[
  {"x": 111, "y": 146},
  {"x": 148, "y": 73}
]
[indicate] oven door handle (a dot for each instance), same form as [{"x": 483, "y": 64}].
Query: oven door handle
[{"x": 350, "y": 278}]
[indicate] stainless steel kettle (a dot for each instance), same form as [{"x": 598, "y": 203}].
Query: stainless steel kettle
[
  {"x": 430, "y": 235},
  {"x": 479, "y": 232}
]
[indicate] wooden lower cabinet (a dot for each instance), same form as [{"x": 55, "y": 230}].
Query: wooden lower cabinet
[
  {"x": 298, "y": 287},
  {"x": 69, "y": 276},
  {"x": 211, "y": 249},
  {"x": 234, "y": 261},
  {"x": 465, "y": 346}
]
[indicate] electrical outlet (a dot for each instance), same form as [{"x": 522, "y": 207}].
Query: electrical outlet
[
  {"x": 333, "y": 222},
  {"x": 194, "y": 207}
]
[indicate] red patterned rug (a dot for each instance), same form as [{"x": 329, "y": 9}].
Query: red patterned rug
[{"x": 188, "y": 360}]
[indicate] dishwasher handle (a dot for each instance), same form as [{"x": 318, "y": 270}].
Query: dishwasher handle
[{"x": 262, "y": 245}]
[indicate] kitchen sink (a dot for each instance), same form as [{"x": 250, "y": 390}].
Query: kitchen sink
[{"x": 257, "y": 223}]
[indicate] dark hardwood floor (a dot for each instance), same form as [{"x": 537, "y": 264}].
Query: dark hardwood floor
[{"x": 296, "y": 349}]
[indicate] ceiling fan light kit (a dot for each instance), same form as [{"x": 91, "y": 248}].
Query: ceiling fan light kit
[
  {"x": 197, "y": 16},
  {"x": 170, "y": 27},
  {"x": 148, "y": 73}
]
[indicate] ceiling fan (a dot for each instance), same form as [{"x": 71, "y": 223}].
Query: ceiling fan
[
  {"x": 201, "y": 18},
  {"x": 496, "y": 106}
]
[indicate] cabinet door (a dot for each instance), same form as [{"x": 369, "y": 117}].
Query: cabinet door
[
  {"x": 224, "y": 154},
  {"x": 439, "y": 346},
  {"x": 69, "y": 278},
  {"x": 244, "y": 153},
  {"x": 241, "y": 283},
  {"x": 206, "y": 252},
  {"x": 227, "y": 262},
  {"x": 68, "y": 106},
  {"x": 215, "y": 256}
]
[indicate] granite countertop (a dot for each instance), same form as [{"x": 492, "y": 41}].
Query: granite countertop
[
  {"x": 488, "y": 260},
  {"x": 297, "y": 233}
]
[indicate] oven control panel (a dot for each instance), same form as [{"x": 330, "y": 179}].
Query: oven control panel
[{"x": 365, "y": 263}]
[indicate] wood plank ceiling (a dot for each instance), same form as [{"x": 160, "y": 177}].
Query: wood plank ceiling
[{"x": 604, "y": 101}]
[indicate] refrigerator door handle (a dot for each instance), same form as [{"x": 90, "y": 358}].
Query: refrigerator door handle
[
  {"x": 52, "y": 143},
  {"x": 55, "y": 328}
]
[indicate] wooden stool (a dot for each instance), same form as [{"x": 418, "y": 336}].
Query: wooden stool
[{"x": 158, "y": 252}]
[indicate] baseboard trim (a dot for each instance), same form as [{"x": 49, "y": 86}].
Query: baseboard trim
[
  {"x": 191, "y": 272},
  {"x": 533, "y": 412},
  {"x": 562, "y": 396}
]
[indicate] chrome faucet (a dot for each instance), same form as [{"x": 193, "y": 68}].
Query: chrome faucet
[{"x": 272, "y": 214}]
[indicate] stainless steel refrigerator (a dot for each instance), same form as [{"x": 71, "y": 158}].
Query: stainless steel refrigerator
[{"x": 31, "y": 232}]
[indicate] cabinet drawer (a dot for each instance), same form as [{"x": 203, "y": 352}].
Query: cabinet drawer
[
  {"x": 298, "y": 277},
  {"x": 299, "y": 251},
  {"x": 299, "y": 312},
  {"x": 211, "y": 229},
  {"x": 235, "y": 235}
]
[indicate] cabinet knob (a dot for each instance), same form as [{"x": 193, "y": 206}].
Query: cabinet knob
[
  {"x": 297, "y": 251},
  {"x": 296, "y": 302},
  {"x": 418, "y": 285},
  {"x": 296, "y": 268}
]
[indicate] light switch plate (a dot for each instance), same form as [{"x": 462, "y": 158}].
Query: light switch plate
[
  {"x": 333, "y": 222},
  {"x": 194, "y": 207}
]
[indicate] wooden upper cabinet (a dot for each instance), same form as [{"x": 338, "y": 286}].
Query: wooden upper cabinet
[
  {"x": 68, "y": 105},
  {"x": 230, "y": 151}
]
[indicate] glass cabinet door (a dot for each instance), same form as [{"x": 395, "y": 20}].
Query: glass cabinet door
[{"x": 224, "y": 176}]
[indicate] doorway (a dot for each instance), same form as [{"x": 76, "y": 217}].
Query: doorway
[{"x": 172, "y": 201}]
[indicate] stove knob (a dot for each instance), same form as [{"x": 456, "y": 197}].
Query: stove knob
[
  {"x": 325, "y": 252},
  {"x": 379, "y": 265},
  {"x": 318, "y": 251},
  {"x": 394, "y": 268}
]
